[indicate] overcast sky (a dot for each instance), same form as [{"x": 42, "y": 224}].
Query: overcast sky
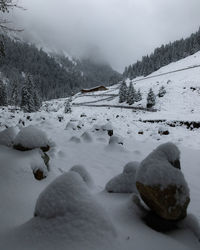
[{"x": 118, "y": 31}]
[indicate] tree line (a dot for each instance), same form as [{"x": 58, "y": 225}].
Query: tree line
[
  {"x": 55, "y": 76},
  {"x": 130, "y": 96},
  {"x": 164, "y": 55}
]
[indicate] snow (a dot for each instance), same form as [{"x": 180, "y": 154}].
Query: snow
[
  {"x": 125, "y": 182},
  {"x": 19, "y": 190},
  {"x": 81, "y": 170},
  {"x": 66, "y": 215},
  {"x": 31, "y": 137},
  {"x": 8, "y": 135}
]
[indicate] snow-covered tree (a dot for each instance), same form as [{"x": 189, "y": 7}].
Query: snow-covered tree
[
  {"x": 68, "y": 108},
  {"x": 15, "y": 95},
  {"x": 151, "y": 99},
  {"x": 123, "y": 92},
  {"x": 131, "y": 96},
  {"x": 30, "y": 100},
  {"x": 162, "y": 91},
  {"x": 138, "y": 96},
  {"x": 3, "y": 94}
]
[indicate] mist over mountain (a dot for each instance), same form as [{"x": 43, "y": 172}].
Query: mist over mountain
[{"x": 55, "y": 75}]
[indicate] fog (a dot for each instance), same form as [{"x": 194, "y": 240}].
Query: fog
[{"x": 116, "y": 31}]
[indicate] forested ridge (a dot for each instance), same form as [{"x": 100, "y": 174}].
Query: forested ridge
[
  {"x": 55, "y": 76},
  {"x": 164, "y": 55}
]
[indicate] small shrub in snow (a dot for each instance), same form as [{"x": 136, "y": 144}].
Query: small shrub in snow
[
  {"x": 84, "y": 174},
  {"x": 151, "y": 99},
  {"x": 8, "y": 135},
  {"x": 125, "y": 182},
  {"x": 67, "y": 108},
  {"x": 162, "y": 91},
  {"x": 30, "y": 138}
]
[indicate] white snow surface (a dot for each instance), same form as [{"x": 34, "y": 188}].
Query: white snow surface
[
  {"x": 81, "y": 170},
  {"x": 19, "y": 190},
  {"x": 125, "y": 182},
  {"x": 31, "y": 137},
  {"x": 8, "y": 135},
  {"x": 67, "y": 216}
]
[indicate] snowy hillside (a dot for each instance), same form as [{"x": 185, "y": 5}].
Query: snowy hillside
[{"x": 54, "y": 196}]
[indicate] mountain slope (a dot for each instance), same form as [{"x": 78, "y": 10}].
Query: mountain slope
[
  {"x": 55, "y": 75},
  {"x": 182, "y": 100}
]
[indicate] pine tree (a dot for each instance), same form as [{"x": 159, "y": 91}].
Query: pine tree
[
  {"x": 162, "y": 91},
  {"x": 67, "y": 107},
  {"x": 131, "y": 96},
  {"x": 138, "y": 96},
  {"x": 3, "y": 94},
  {"x": 25, "y": 97},
  {"x": 30, "y": 100},
  {"x": 37, "y": 100},
  {"x": 123, "y": 92},
  {"x": 15, "y": 97},
  {"x": 151, "y": 99}
]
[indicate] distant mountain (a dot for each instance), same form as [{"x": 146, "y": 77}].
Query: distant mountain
[
  {"x": 55, "y": 75},
  {"x": 164, "y": 55}
]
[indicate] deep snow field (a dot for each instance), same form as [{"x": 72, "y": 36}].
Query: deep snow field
[{"x": 97, "y": 219}]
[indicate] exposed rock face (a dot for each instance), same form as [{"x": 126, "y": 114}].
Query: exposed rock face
[
  {"x": 39, "y": 174},
  {"x": 165, "y": 202},
  {"x": 161, "y": 183}
]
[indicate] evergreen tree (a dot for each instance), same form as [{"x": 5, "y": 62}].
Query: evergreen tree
[
  {"x": 3, "y": 94},
  {"x": 67, "y": 107},
  {"x": 37, "y": 100},
  {"x": 123, "y": 92},
  {"x": 151, "y": 99},
  {"x": 162, "y": 91},
  {"x": 15, "y": 96},
  {"x": 138, "y": 96},
  {"x": 25, "y": 98},
  {"x": 131, "y": 96},
  {"x": 30, "y": 100}
]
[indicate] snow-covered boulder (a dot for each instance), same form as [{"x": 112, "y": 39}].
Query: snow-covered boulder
[
  {"x": 84, "y": 174},
  {"x": 68, "y": 215},
  {"x": 161, "y": 183},
  {"x": 115, "y": 140},
  {"x": 74, "y": 125},
  {"x": 86, "y": 136},
  {"x": 30, "y": 138},
  {"x": 75, "y": 139},
  {"x": 7, "y": 136},
  {"x": 125, "y": 182}
]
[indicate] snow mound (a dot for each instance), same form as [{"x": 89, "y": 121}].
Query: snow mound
[
  {"x": 84, "y": 174},
  {"x": 125, "y": 182},
  {"x": 67, "y": 214},
  {"x": 158, "y": 169},
  {"x": 75, "y": 139},
  {"x": 115, "y": 140},
  {"x": 8, "y": 135},
  {"x": 86, "y": 136},
  {"x": 74, "y": 125},
  {"x": 31, "y": 137}
]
